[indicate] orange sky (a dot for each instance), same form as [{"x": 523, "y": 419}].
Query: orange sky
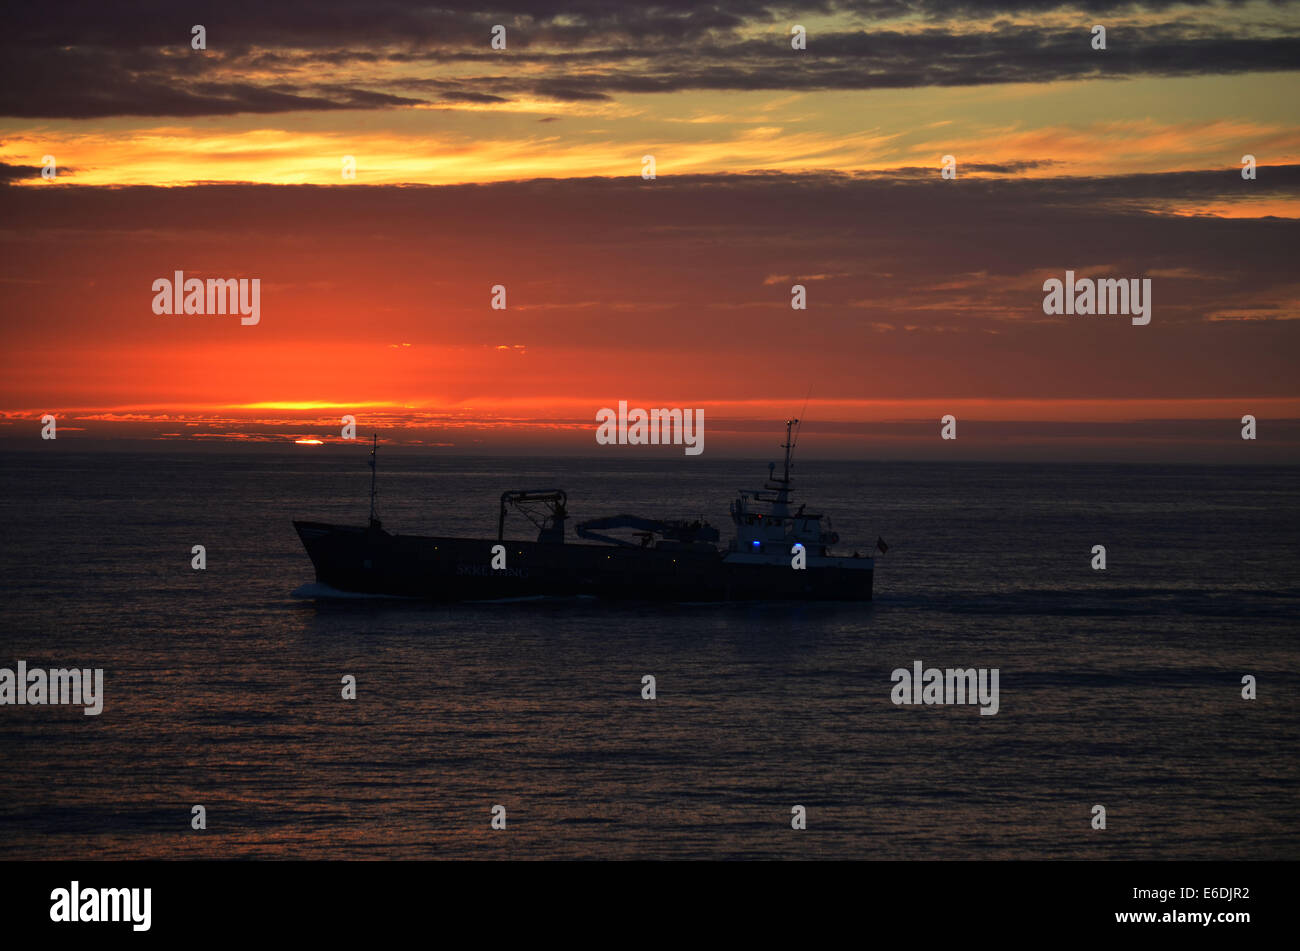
[{"x": 924, "y": 295}]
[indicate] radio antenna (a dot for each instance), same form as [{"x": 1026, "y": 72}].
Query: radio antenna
[{"x": 802, "y": 413}]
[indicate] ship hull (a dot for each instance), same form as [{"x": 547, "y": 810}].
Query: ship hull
[{"x": 372, "y": 561}]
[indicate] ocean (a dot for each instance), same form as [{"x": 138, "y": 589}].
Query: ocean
[{"x": 222, "y": 687}]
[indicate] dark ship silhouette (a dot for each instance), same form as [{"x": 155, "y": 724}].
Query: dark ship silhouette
[{"x": 673, "y": 560}]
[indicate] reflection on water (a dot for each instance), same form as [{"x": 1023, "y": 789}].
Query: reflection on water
[{"x": 1119, "y": 687}]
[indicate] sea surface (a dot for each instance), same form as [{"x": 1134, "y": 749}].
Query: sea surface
[{"x": 1120, "y": 687}]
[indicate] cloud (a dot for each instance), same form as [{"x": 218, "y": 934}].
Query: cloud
[
  {"x": 82, "y": 60},
  {"x": 13, "y": 173}
]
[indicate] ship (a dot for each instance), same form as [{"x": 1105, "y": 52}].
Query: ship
[{"x": 776, "y": 552}]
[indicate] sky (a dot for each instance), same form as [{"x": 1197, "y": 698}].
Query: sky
[{"x": 525, "y": 168}]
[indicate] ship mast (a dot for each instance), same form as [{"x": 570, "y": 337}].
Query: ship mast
[
  {"x": 789, "y": 448},
  {"x": 780, "y": 505},
  {"x": 374, "y": 449}
]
